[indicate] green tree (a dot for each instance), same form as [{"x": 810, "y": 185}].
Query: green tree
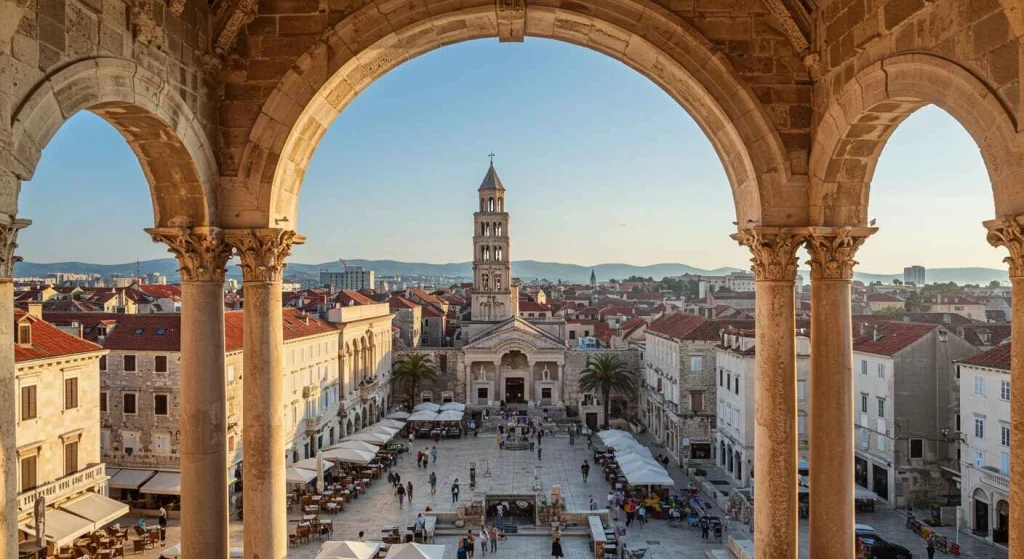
[
  {"x": 607, "y": 373},
  {"x": 412, "y": 369},
  {"x": 993, "y": 284}
]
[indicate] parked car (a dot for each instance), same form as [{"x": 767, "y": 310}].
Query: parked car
[{"x": 880, "y": 548}]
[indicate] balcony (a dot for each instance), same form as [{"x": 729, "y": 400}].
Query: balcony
[
  {"x": 309, "y": 424},
  {"x": 59, "y": 488},
  {"x": 310, "y": 391},
  {"x": 367, "y": 388},
  {"x": 996, "y": 479}
]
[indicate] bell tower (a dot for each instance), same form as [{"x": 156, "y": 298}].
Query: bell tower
[{"x": 492, "y": 298}]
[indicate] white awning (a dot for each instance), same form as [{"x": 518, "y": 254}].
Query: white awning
[
  {"x": 415, "y": 551},
  {"x": 398, "y": 415},
  {"x": 423, "y": 415},
  {"x": 310, "y": 464},
  {"x": 349, "y": 455},
  {"x": 61, "y": 527},
  {"x": 348, "y": 550},
  {"x": 368, "y": 437},
  {"x": 449, "y": 415},
  {"x": 358, "y": 445},
  {"x": 97, "y": 508},
  {"x": 382, "y": 429},
  {"x": 457, "y": 406},
  {"x": 393, "y": 423},
  {"x": 129, "y": 479},
  {"x": 299, "y": 475},
  {"x": 428, "y": 406},
  {"x": 163, "y": 483}
]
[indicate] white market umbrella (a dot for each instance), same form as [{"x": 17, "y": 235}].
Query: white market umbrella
[
  {"x": 429, "y": 406},
  {"x": 415, "y": 551},
  {"x": 399, "y": 415},
  {"x": 299, "y": 475},
  {"x": 349, "y": 455},
  {"x": 393, "y": 423},
  {"x": 423, "y": 415},
  {"x": 449, "y": 415},
  {"x": 309, "y": 464},
  {"x": 612, "y": 436},
  {"x": 456, "y": 406},
  {"x": 348, "y": 550},
  {"x": 382, "y": 429},
  {"x": 356, "y": 445},
  {"x": 372, "y": 438},
  {"x": 649, "y": 476}
]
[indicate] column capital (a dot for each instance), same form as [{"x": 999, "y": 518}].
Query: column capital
[
  {"x": 262, "y": 251},
  {"x": 1009, "y": 232},
  {"x": 832, "y": 250},
  {"x": 202, "y": 252},
  {"x": 774, "y": 251},
  {"x": 9, "y": 228}
]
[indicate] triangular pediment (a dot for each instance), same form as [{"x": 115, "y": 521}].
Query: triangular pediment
[{"x": 516, "y": 332}]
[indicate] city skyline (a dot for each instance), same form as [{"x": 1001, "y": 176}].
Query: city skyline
[{"x": 616, "y": 188}]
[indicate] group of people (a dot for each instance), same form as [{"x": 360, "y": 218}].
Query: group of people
[
  {"x": 488, "y": 537},
  {"x": 425, "y": 456}
]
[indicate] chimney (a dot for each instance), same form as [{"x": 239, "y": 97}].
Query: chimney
[
  {"x": 875, "y": 336},
  {"x": 36, "y": 310},
  {"x": 863, "y": 329}
]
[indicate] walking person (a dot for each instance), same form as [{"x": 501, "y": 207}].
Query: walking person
[
  {"x": 426, "y": 459},
  {"x": 408, "y": 491},
  {"x": 930, "y": 546},
  {"x": 162, "y": 522},
  {"x": 539, "y": 449},
  {"x": 470, "y": 543},
  {"x": 455, "y": 491},
  {"x": 433, "y": 454},
  {"x": 493, "y": 536},
  {"x": 401, "y": 495},
  {"x": 641, "y": 513},
  {"x": 585, "y": 470},
  {"x": 483, "y": 539},
  {"x": 433, "y": 483},
  {"x": 556, "y": 547}
]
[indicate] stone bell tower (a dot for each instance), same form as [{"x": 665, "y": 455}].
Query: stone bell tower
[{"x": 492, "y": 298}]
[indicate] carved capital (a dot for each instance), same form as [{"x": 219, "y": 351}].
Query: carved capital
[
  {"x": 1008, "y": 232},
  {"x": 9, "y": 227},
  {"x": 832, "y": 250},
  {"x": 202, "y": 252},
  {"x": 263, "y": 251},
  {"x": 511, "y": 20},
  {"x": 774, "y": 252},
  {"x": 177, "y": 7}
]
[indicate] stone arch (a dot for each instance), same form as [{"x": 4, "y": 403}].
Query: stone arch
[
  {"x": 860, "y": 120},
  {"x": 173, "y": 150},
  {"x": 639, "y": 33}
]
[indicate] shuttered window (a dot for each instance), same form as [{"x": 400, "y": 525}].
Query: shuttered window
[
  {"x": 160, "y": 363},
  {"x": 70, "y": 393},
  {"x": 28, "y": 473},
  {"x": 70, "y": 458},
  {"x": 28, "y": 402}
]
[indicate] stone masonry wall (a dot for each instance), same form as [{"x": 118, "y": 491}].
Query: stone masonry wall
[
  {"x": 450, "y": 375},
  {"x": 576, "y": 361}
]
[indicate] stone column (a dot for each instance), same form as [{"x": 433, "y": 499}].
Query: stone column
[
  {"x": 1009, "y": 233},
  {"x": 202, "y": 255},
  {"x": 775, "y": 436},
  {"x": 9, "y": 227},
  {"x": 499, "y": 387},
  {"x": 831, "y": 390},
  {"x": 262, "y": 253},
  {"x": 558, "y": 385}
]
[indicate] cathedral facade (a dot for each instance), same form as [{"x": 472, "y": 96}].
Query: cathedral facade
[{"x": 500, "y": 357}]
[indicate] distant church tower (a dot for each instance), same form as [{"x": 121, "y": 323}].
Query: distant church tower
[
  {"x": 493, "y": 295},
  {"x": 593, "y": 279}
]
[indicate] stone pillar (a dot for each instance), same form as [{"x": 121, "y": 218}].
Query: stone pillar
[
  {"x": 262, "y": 253},
  {"x": 558, "y": 385},
  {"x": 1009, "y": 233},
  {"x": 775, "y": 436},
  {"x": 9, "y": 227},
  {"x": 831, "y": 390},
  {"x": 499, "y": 387},
  {"x": 202, "y": 255}
]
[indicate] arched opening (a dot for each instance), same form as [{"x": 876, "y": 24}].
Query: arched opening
[
  {"x": 490, "y": 204},
  {"x": 979, "y": 501}
]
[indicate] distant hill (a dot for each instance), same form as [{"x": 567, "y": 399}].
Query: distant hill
[{"x": 526, "y": 269}]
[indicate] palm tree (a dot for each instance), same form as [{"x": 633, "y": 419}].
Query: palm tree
[
  {"x": 605, "y": 373},
  {"x": 410, "y": 370}
]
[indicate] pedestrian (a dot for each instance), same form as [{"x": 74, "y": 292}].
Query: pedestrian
[
  {"x": 492, "y": 536},
  {"x": 483, "y": 540},
  {"x": 362, "y": 535},
  {"x": 461, "y": 553},
  {"x": 419, "y": 459},
  {"x": 433, "y": 454},
  {"x": 412, "y": 439},
  {"x": 556, "y": 547},
  {"x": 930, "y": 546},
  {"x": 398, "y": 479},
  {"x": 426, "y": 459},
  {"x": 501, "y": 512},
  {"x": 470, "y": 543},
  {"x": 585, "y": 470},
  {"x": 611, "y": 501},
  {"x": 433, "y": 483},
  {"x": 408, "y": 491},
  {"x": 705, "y": 524},
  {"x": 455, "y": 491},
  {"x": 630, "y": 509},
  {"x": 641, "y": 513},
  {"x": 592, "y": 505},
  {"x": 162, "y": 522},
  {"x": 401, "y": 494},
  {"x": 538, "y": 452},
  {"x": 590, "y": 442}
]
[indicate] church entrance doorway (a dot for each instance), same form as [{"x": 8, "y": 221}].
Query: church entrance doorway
[{"x": 515, "y": 391}]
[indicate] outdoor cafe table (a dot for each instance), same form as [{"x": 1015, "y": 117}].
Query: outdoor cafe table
[{"x": 308, "y": 517}]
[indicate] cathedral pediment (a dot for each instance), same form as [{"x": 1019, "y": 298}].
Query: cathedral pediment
[{"x": 516, "y": 333}]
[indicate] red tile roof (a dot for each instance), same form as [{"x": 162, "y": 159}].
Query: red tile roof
[
  {"x": 399, "y": 302},
  {"x": 138, "y": 332},
  {"x": 682, "y": 326},
  {"x": 531, "y": 306},
  {"x": 995, "y": 358},
  {"x": 616, "y": 310},
  {"x": 294, "y": 323},
  {"x": 349, "y": 297},
  {"x": 48, "y": 341},
  {"x": 943, "y": 299},
  {"x": 893, "y": 337},
  {"x": 429, "y": 311},
  {"x": 161, "y": 291}
]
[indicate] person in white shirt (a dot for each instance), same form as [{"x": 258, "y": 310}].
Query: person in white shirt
[{"x": 483, "y": 539}]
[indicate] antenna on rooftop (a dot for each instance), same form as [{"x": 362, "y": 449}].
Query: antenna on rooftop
[{"x": 138, "y": 272}]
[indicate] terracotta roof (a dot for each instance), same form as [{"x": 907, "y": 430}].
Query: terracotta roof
[
  {"x": 294, "y": 323},
  {"x": 161, "y": 291},
  {"x": 893, "y": 337},
  {"x": 48, "y": 341},
  {"x": 995, "y": 358},
  {"x": 944, "y": 318},
  {"x": 884, "y": 298},
  {"x": 943, "y": 299},
  {"x": 429, "y": 311},
  {"x": 399, "y": 302},
  {"x": 349, "y": 297},
  {"x": 735, "y": 295},
  {"x": 682, "y": 326},
  {"x": 615, "y": 310},
  {"x": 531, "y": 306},
  {"x": 130, "y": 332},
  {"x": 426, "y": 297}
]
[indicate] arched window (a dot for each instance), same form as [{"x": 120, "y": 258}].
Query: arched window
[
  {"x": 485, "y": 279},
  {"x": 498, "y": 229},
  {"x": 490, "y": 204},
  {"x": 497, "y": 281},
  {"x": 498, "y": 254},
  {"x": 483, "y": 205},
  {"x": 487, "y": 253},
  {"x": 501, "y": 204}
]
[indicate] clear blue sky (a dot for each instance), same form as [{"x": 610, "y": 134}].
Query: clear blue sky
[{"x": 600, "y": 166}]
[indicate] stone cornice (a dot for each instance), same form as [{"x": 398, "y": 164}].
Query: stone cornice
[
  {"x": 832, "y": 250},
  {"x": 774, "y": 251},
  {"x": 202, "y": 252},
  {"x": 1009, "y": 232},
  {"x": 263, "y": 251},
  {"x": 9, "y": 228}
]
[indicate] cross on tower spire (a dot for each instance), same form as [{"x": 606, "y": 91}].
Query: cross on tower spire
[{"x": 491, "y": 155}]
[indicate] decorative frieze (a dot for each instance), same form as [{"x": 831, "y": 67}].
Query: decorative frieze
[
  {"x": 511, "y": 20},
  {"x": 9, "y": 227},
  {"x": 202, "y": 252},
  {"x": 774, "y": 252},
  {"x": 832, "y": 250},
  {"x": 263, "y": 251},
  {"x": 1006, "y": 232}
]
